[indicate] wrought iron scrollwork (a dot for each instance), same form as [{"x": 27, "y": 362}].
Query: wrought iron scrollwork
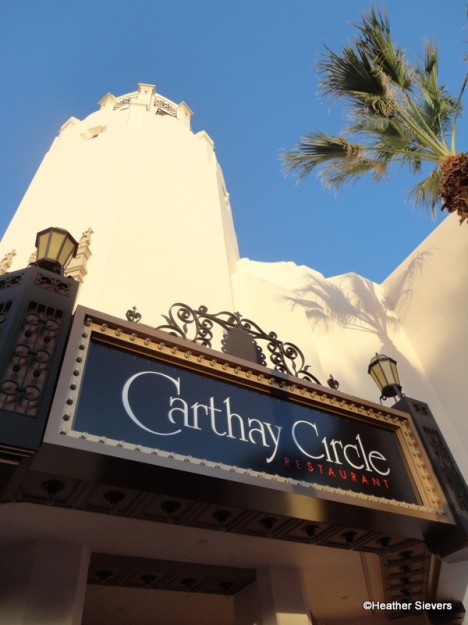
[
  {"x": 240, "y": 337},
  {"x": 27, "y": 393}
]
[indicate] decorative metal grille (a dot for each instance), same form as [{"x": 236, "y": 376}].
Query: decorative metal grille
[
  {"x": 239, "y": 337},
  {"x": 161, "y": 103},
  {"x": 23, "y": 380},
  {"x": 9, "y": 280},
  {"x": 4, "y": 310},
  {"x": 121, "y": 103},
  {"x": 53, "y": 285},
  {"x": 453, "y": 477}
]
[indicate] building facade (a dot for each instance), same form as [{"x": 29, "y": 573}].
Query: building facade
[{"x": 148, "y": 198}]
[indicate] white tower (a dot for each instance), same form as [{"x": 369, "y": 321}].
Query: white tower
[{"x": 153, "y": 195}]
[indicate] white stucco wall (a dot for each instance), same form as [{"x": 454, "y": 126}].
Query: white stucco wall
[
  {"x": 417, "y": 316},
  {"x": 434, "y": 317}
]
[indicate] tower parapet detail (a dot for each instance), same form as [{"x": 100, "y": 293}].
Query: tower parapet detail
[{"x": 147, "y": 98}]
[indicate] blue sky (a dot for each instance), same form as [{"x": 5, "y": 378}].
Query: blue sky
[{"x": 246, "y": 69}]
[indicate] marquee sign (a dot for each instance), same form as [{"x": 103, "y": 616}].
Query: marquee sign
[
  {"x": 144, "y": 401},
  {"x": 160, "y": 399}
]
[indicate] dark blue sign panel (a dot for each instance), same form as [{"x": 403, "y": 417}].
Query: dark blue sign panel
[{"x": 146, "y": 402}]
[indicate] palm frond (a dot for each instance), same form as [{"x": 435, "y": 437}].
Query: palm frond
[
  {"x": 413, "y": 119},
  {"x": 458, "y": 110},
  {"x": 390, "y": 141},
  {"x": 351, "y": 76},
  {"x": 318, "y": 148},
  {"x": 374, "y": 130},
  {"x": 437, "y": 105},
  {"x": 427, "y": 192},
  {"x": 375, "y": 43},
  {"x": 334, "y": 175},
  {"x": 399, "y": 113},
  {"x": 397, "y": 143}
]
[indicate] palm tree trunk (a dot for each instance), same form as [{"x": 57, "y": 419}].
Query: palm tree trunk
[{"x": 454, "y": 184}]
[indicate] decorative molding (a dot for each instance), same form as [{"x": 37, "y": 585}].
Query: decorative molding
[
  {"x": 406, "y": 574},
  {"x": 165, "y": 106},
  {"x": 150, "y": 574},
  {"x": 77, "y": 266},
  {"x": 122, "y": 102},
  {"x": 6, "y": 261},
  {"x": 154, "y": 505}
]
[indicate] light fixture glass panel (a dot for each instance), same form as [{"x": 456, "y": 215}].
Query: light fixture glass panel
[
  {"x": 384, "y": 372},
  {"x": 68, "y": 247},
  {"x": 378, "y": 375},
  {"x": 41, "y": 244},
  {"x": 55, "y": 244}
]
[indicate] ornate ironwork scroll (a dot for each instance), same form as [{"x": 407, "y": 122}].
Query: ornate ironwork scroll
[{"x": 239, "y": 337}]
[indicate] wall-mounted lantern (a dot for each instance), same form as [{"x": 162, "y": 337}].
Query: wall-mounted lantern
[
  {"x": 36, "y": 308},
  {"x": 384, "y": 372},
  {"x": 55, "y": 249}
]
